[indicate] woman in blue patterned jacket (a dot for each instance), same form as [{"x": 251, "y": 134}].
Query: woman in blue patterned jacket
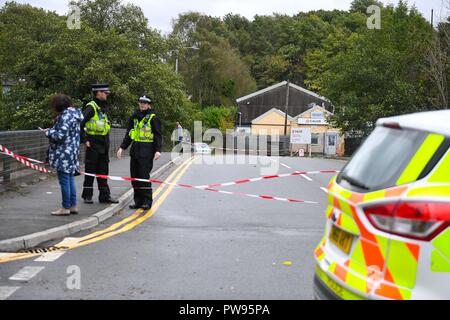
[{"x": 64, "y": 150}]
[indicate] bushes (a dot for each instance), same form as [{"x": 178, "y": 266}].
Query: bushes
[{"x": 221, "y": 118}]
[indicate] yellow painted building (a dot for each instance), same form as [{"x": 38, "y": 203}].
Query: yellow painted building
[
  {"x": 271, "y": 123},
  {"x": 325, "y": 139}
]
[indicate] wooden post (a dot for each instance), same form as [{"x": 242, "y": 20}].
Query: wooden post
[{"x": 286, "y": 109}]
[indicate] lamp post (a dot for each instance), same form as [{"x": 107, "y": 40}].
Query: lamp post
[{"x": 177, "y": 59}]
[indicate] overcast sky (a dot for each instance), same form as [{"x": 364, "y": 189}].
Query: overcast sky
[{"x": 161, "y": 12}]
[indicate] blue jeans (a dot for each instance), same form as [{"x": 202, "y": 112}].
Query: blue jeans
[{"x": 68, "y": 190}]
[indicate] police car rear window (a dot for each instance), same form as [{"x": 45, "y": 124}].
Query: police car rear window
[{"x": 381, "y": 160}]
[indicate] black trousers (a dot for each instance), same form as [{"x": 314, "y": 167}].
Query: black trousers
[
  {"x": 140, "y": 167},
  {"x": 96, "y": 163}
]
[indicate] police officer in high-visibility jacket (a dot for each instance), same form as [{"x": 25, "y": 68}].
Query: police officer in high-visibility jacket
[
  {"x": 95, "y": 134},
  {"x": 144, "y": 134}
]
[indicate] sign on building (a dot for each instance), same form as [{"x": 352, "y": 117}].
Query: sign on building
[
  {"x": 312, "y": 121},
  {"x": 317, "y": 115},
  {"x": 301, "y": 136}
]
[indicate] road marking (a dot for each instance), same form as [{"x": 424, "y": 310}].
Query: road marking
[
  {"x": 306, "y": 177},
  {"x": 286, "y": 166},
  {"x": 150, "y": 213},
  {"x": 26, "y": 273},
  {"x": 6, "y": 292},
  {"x": 302, "y": 175},
  {"x": 50, "y": 256},
  {"x": 129, "y": 222},
  {"x": 324, "y": 190}
]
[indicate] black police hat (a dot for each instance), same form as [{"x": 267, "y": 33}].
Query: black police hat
[{"x": 101, "y": 87}]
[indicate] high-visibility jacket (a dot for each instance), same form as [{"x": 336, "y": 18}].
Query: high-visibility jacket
[
  {"x": 99, "y": 124},
  {"x": 142, "y": 131}
]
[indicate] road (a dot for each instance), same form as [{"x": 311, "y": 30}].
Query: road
[{"x": 194, "y": 244}]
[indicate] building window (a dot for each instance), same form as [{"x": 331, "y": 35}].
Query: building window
[{"x": 315, "y": 139}]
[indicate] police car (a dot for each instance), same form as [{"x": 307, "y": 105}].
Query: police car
[{"x": 388, "y": 218}]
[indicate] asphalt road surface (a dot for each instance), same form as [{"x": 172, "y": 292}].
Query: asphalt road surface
[{"x": 194, "y": 244}]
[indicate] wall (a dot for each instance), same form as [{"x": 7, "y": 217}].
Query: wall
[{"x": 34, "y": 144}]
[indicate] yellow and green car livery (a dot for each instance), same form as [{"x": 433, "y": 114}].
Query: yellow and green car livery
[{"x": 387, "y": 234}]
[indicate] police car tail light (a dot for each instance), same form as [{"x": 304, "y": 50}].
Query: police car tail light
[{"x": 415, "y": 220}]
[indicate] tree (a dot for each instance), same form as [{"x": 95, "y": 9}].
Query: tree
[
  {"x": 438, "y": 67},
  {"x": 362, "y": 5},
  {"x": 61, "y": 60},
  {"x": 102, "y": 15},
  {"x": 216, "y": 117},
  {"x": 367, "y": 74},
  {"x": 214, "y": 74},
  {"x": 380, "y": 73}
]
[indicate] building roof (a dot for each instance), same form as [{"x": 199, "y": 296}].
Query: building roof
[
  {"x": 284, "y": 83},
  {"x": 281, "y": 113}
]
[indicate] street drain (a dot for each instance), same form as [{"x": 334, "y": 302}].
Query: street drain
[{"x": 43, "y": 250}]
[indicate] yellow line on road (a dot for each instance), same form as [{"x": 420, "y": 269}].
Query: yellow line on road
[
  {"x": 143, "y": 218},
  {"x": 128, "y": 223}
]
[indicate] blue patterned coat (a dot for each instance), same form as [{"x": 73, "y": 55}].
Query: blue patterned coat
[{"x": 64, "y": 136}]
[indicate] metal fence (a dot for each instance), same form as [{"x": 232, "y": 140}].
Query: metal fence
[
  {"x": 257, "y": 144},
  {"x": 34, "y": 144}
]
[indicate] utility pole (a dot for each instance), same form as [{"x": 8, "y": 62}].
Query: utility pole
[
  {"x": 286, "y": 109},
  {"x": 432, "y": 18}
]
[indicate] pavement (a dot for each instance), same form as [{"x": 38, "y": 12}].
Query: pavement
[
  {"x": 26, "y": 211},
  {"x": 194, "y": 244}
]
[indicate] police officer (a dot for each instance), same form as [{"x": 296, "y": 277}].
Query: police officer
[
  {"x": 144, "y": 136},
  {"x": 95, "y": 134}
]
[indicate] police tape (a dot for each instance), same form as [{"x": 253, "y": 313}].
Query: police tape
[
  {"x": 293, "y": 174},
  {"x": 27, "y": 162},
  {"x": 186, "y": 186},
  {"x": 24, "y": 160}
]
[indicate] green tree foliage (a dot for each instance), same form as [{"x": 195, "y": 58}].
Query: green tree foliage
[
  {"x": 367, "y": 74},
  {"x": 438, "y": 67},
  {"x": 375, "y": 73},
  {"x": 217, "y": 117},
  {"x": 43, "y": 57},
  {"x": 362, "y": 5},
  {"x": 214, "y": 73},
  {"x": 104, "y": 15},
  {"x": 276, "y": 46}
]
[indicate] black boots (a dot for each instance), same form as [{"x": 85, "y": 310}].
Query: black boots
[
  {"x": 109, "y": 201},
  {"x": 103, "y": 201},
  {"x": 145, "y": 207},
  {"x": 88, "y": 201}
]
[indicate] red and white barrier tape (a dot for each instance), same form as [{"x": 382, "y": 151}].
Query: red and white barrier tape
[
  {"x": 293, "y": 174},
  {"x": 186, "y": 186},
  {"x": 26, "y": 161}
]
